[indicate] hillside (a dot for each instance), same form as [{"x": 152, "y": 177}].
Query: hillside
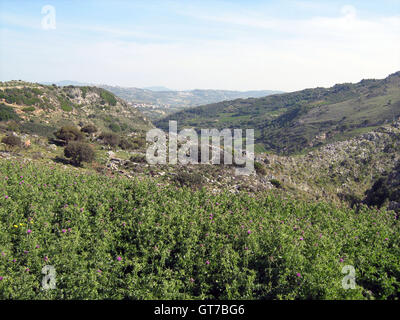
[
  {"x": 155, "y": 104},
  {"x": 292, "y": 122},
  {"x": 40, "y": 109},
  {"x": 116, "y": 227}
]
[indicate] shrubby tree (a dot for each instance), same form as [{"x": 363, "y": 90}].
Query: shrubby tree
[
  {"x": 110, "y": 139},
  {"x": 124, "y": 144},
  {"x": 11, "y": 142},
  {"x": 79, "y": 152},
  {"x": 69, "y": 133},
  {"x": 90, "y": 128}
]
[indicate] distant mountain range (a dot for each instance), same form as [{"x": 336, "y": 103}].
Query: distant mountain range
[
  {"x": 157, "y": 88},
  {"x": 292, "y": 122}
]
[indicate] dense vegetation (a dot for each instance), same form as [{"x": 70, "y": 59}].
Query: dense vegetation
[
  {"x": 7, "y": 113},
  {"x": 110, "y": 237}
]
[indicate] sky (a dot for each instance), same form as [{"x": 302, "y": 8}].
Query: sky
[{"x": 283, "y": 45}]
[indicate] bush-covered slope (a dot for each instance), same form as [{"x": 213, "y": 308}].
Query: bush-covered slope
[
  {"x": 40, "y": 109},
  {"x": 292, "y": 122}
]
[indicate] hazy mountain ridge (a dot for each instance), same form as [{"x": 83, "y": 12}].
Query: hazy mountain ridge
[{"x": 174, "y": 100}]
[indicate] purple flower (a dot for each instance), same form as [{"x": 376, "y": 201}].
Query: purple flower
[
  {"x": 298, "y": 274},
  {"x": 301, "y": 239},
  {"x": 248, "y": 231},
  {"x": 207, "y": 262},
  {"x": 99, "y": 271},
  {"x": 1, "y": 278},
  {"x": 386, "y": 239},
  {"x": 64, "y": 231},
  {"x": 119, "y": 258},
  {"x": 29, "y": 231},
  {"x": 46, "y": 258},
  {"x": 6, "y": 197},
  {"x": 341, "y": 260}
]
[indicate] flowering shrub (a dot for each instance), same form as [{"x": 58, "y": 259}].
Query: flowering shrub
[{"x": 116, "y": 238}]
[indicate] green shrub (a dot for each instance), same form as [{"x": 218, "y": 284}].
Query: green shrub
[
  {"x": 110, "y": 139},
  {"x": 90, "y": 128},
  {"x": 69, "y": 133},
  {"x": 115, "y": 127},
  {"x": 11, "y": 141},
  {"x": 192, "y": 180},
  {"x": 124, "y": 144},
  {"x": 108, "y": 97},
  {"x": 7, "y": 113},
  {"x": 37, "y": 128},
  {"x": 138, "y": 158},
  {"x": 28, "y": 109},
  {"x": 276, "y": 183},
  {"x": 79, "y": 152},
  {"x": 260, "y": 169}
]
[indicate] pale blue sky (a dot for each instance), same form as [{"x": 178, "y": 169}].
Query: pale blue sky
[{"x": 242, "y": 45}]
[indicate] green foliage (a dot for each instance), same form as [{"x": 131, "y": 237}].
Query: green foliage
[
  {"x": 110, "y": 139},
  {"x": 37, "y": 128},
  {"x": 183, "y": 244},
  {"x": 84, "y": 91},
  {"x": 90, "y": 128},
  {"x": 276, "y": 183},
  {"x": 25, "y": 96},
  {"x": 115, "y": 127},
  {"x": 65, "y": 104},
  {"x": 79, "y": 152},
  {"x": 7, "y": 113},
  {"x": 138, "y": 158},
  {"x": 11, "y": 141},
  {"x": 108, "y": 97},
  {"x": 192, "y": 180},
  {"x": 28, "y": 109},
  {"x": 125, "y": 144},
  {"x": 260, "y": 169},
  {"x": 69, "y": 133}
]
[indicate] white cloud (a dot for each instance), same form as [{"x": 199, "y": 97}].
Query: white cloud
[{"x": 269, "y": 53}]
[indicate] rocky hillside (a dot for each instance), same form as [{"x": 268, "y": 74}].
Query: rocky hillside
[
  {"x": 293, "y": 122},
  {"x": 40, "y": 109},
  {"x": 340, "y": 171}
]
